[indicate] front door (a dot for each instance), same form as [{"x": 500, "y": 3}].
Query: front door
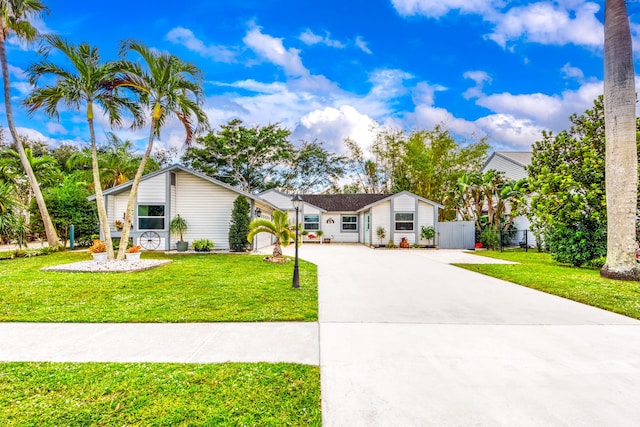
[{"x": 367, "y": 229}]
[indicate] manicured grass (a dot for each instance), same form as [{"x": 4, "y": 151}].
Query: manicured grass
[
  {"x": 114, "y": 394},
  {"x": 193, "y": 288},
  {"x": 539, "y": 271}
]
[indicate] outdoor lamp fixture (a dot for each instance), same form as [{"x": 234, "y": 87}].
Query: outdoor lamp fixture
[
  {"x": 258, "y": 212},
  {"x": 297, "y": 204}
]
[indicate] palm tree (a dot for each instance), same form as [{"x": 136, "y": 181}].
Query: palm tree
[
  {"x": 168, "y": 87},
  {"x": 89, "y": 81},
  {"x": 279, "y": 228},
  {"x": 621, "y": 162},
  {"x": 116, "y": 160},
  {"x": 14, "y": 19}
]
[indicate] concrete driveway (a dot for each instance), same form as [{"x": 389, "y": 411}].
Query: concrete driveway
[{"x": 408, "y": 340}]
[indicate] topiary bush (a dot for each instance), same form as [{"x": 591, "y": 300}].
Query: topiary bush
[{"x": 240, "y": 219}]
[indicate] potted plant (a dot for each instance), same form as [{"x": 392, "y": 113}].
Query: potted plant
[
  {"x": 133, "y": 253},
  {"x": 381, "y": 233},
  {"x": 404, "y": 243},
  {"x": 203, "y": 245},
  {"x": 320, "y": 233},
  {"x": 179, "y": 226},
  {"x": 117, "y": 224},
  {"x": 428, "y": 233},
  {"x": 99, "y": 251}
]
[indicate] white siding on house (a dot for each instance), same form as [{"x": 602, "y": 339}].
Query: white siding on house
[
  {"x": 116, "y": 207},
  {"x": 333, "y": 230},
  {"x": 206, "y": 208},
  {"x": 153, "y": 190},
  {"x": 404, "y": 203},
  {"x": 380, "y": 217},
  {"x": 282, "y": 201},
  {"x": 511, "y": 169},
  {"x": 263, "y": 240}
]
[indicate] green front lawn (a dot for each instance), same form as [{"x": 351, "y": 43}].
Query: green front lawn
[
  {"x": 193, "y": 288},
  {"x": 148, "y": 394},
  {"x": 539, "y": 271}
]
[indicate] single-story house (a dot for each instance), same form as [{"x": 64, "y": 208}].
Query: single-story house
[
  {"x": 204, "y": 202},
  {"x": 354, "y": 218}
]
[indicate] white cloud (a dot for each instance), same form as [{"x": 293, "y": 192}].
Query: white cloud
[
  {"x": 548, "y": 111},
  {"x": 310, "y": 38},
  {"x": 424, "y": 93},
  {"x": 550, "y": 23},
  {"x": 272, "y": 49},
  {"x": 439, "y": 8},
  {"x": 388, "y": 83},
  {"x": 332, "y": 125},
  {"x": 186, "y": 38},
  {"x": 480, "y": 78},
  {"x": 510, "y": 131},
  {"x": 362, "y": 45},
  {"x": 56, "y": 128},
  {"x": 570, "y": 72}
]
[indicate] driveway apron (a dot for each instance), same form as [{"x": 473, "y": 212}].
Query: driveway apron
[{"x": 408, "y": 340}]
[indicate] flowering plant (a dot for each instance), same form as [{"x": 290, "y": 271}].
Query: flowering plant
[
  {"x": 97, "y": 247},
  {"x": 134, "y": 249},
  {"x": 118, "y": 224}
]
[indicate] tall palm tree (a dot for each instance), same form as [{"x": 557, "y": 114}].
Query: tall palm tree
[
  {"x": 168, "y": 87},
  {"x": 87, "y": 82},
  {"x": 279, "y": 228},
  {"x": 621, "y": 162},
  {"x": 14, "y": 19}
]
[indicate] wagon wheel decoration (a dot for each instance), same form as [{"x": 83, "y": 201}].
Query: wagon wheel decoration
[{"x": 150, "y": 240}]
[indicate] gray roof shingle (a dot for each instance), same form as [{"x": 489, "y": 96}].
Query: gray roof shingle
[{"x": 342, "y": 202}]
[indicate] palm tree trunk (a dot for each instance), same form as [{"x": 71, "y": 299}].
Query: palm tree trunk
[
  {"x": 102, "y": 210},
  {"x": 621, "y": 162},
  {"x": 277, "y": 249},
  {"x": 49, "y": 229},
  {"x": 133, "y": 195}
]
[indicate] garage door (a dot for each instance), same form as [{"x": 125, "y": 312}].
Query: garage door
[{"x": 263, "y": 239}]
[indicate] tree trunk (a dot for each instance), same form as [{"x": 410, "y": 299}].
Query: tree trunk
[
  {"x": 102, "y": 210},
  {"x": 277, "y": 249},
  {"x": 52, "y": 235},
  {"x": 133, "y": 195},
  {"x": 621, "y": 163}
]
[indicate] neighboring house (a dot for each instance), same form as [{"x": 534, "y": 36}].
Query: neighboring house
[
  {"x": 354, "y": 218},
  {"x": 204, "y": 202},
  {"x": 513, "y": 164}
]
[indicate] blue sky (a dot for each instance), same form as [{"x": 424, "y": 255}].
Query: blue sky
[{"x": 339, "y": 68}]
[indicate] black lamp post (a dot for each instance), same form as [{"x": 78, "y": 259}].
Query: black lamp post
[{"x": 297, "y": 203}]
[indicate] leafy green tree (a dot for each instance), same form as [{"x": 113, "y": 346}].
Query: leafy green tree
[
  {"x": 567, "y": 178},
  {"x": 69, "y": 205},
  {"x": 279, "y": 228},
  {"x": 117, "y": 162},
  {"x": 86, "y": 82},
  {"x": 621, "y": 148},
  {"x": 14, "y": 19},
  {"x": 167, "y": 87},
  {"x": 240, "y": 219},
  {"x": 313, "y": 169},
  {"x": 249, "y": 158}
]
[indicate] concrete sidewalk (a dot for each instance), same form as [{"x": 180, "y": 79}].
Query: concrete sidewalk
[{"x": 294, "y": 342}]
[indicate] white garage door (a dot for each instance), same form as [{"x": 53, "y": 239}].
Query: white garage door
[{"x": 263, "y": 239}]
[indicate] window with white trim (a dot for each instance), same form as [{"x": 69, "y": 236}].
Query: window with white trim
[
  {"x": 150, "y": 217},
  {"x": 349, "y": 223},
  {"x": 404, "y": 221},
  {"x": 311, "y": 222}
]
